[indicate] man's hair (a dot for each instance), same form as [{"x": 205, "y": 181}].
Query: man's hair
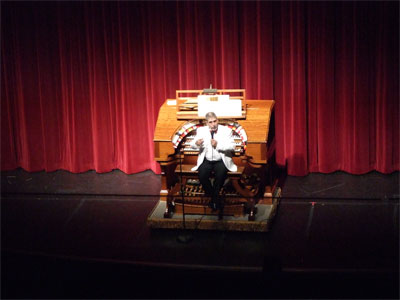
[{"x": 210, "y": 115}]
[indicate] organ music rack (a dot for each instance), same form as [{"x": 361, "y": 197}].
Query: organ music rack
[{"x": 187, "y": 105}]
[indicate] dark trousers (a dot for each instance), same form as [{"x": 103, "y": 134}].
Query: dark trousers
[{"x": 220, "y": 172}]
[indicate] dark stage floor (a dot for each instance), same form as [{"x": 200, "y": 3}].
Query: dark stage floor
[{"x": 84, "y": 235}]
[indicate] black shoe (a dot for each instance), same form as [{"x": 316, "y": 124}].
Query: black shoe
[{"x": 213, "y": 206}]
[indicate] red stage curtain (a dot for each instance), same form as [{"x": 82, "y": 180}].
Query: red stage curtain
[{"x": 82, "y": 82}]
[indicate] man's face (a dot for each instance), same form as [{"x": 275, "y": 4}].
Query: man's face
[{"x": 212, "y": 124}]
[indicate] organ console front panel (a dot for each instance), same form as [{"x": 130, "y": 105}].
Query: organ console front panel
[{"x": 254, "y": 155}]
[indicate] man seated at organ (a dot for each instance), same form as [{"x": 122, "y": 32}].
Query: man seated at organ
[{"x": 216, "y": 145}]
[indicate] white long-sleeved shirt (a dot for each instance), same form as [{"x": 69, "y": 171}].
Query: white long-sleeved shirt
[{"x": 225, "y": 145}]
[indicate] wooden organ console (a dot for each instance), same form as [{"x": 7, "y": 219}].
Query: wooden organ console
[{"x": 254, "y": 134}]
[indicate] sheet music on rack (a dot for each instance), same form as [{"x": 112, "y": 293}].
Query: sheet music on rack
[{"x": 221, "y": 105}]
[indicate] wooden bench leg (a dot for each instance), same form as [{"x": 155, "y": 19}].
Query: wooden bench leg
[
  {"x": 253, "y": 210},
  {"x": 170, "y": 208},
  {"x": 249, "y": 196},
  {"x": 169, "y": 211}
]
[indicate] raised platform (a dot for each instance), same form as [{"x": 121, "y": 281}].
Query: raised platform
[{"x": 262, "y": 223}]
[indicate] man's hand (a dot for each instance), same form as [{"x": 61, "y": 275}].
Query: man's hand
[
  {"x": 199, "y": 142},
  {"x": 214, "y": 143}
]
